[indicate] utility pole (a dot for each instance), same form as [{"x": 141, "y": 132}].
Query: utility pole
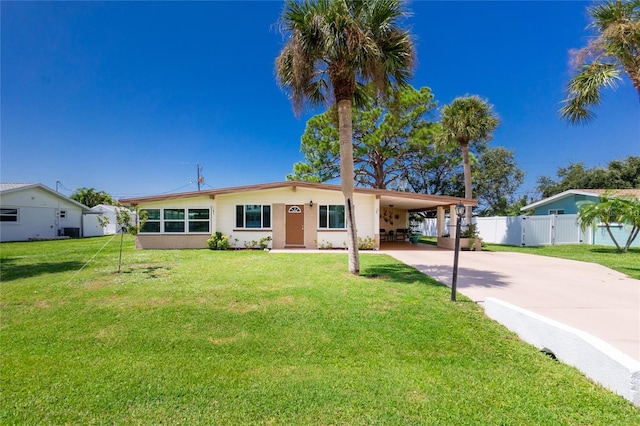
[{"x": 200, "y": 178}]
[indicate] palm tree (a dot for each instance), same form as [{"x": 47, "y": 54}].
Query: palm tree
[
  {"x": 611, "y": 209},
  {"x": 333, "y": 48},
  {"x": 467, "y": 119},
  {"x": 90, "y": 197},
  {"x": 613, "y": 50}
]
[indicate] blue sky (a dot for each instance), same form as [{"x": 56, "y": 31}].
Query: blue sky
[{"x": 127, "y": 97}]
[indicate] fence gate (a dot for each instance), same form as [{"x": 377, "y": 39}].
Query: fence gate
[
  {"x": 537, "y": 230},
  {"x": 552, "y": 229}
]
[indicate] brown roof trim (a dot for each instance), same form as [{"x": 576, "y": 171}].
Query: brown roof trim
[{"x": 211, "y": 193}]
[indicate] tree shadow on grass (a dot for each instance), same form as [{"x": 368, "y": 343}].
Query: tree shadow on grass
[
  {"x": 398, "y": 273},
  {"x": 613, "y": 250},
  {"x": 10, "y": 271},
  {"x": 437, "y": 275},
  {"x": 151, "y": 271}
]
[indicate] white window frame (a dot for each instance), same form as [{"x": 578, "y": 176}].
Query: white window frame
[
  {"x": 556, "y": 211},
  {"x": 16, "y": 215},
  {"x": 328, "y": 206},
  {"x": 162, "y": 221}
]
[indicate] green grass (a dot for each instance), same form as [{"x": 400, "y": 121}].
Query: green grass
[
  {"x": 627, "y": 263},
  {"x": 249, "y": 337}
]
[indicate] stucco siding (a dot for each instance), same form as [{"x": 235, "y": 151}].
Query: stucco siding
[
  {"x": 167, "y": 241},
  {"x": 620, "y": 233},
  {"x": 278, "y": 223},
  {"x": 38, "y": 215}
]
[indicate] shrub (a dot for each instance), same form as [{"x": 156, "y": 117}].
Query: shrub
[
  {"x": 264, "y": 242},
  {"x": 218, "y": 241},
  {"x": 325, "y": 245},
  {"x": 366, "y": 243}
]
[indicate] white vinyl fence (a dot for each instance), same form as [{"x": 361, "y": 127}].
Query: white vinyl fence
[{"x": 524, "y": 230}]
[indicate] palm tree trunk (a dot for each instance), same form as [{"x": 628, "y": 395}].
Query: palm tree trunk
[
  {"x": 613, "y": 238},
  {"x": 468, "y": 190},
  {"x": 632, "y": 236},
  {"x": 346, "y": 180}
]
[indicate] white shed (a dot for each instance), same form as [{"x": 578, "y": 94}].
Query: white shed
[
  {"x": 110, "y": 213},
  {"x": 34, "y": 211}
]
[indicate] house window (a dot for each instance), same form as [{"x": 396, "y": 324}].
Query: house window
[
  {"x": 556, "y": 211},
  {"x": 173, "y": 220},
  {"x": 253, "y": 216},
  {"x": 198, "y": 220},
  {"x": 331, "y": 217},
  {"x": 63, "y": 214},
  {"x": 8, "y": 215},
  {"x": 152, "y": 225},
  {"x": 176, "y": 221}
]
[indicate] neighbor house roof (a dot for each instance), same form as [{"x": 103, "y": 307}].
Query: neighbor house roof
[
  {"x": 403, "y": 200},
  {"x": 7, "y": 188},
  {"x": 587, "y": 192}
]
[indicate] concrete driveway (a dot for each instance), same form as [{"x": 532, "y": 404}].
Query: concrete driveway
[{"x": 589, "y": 297}]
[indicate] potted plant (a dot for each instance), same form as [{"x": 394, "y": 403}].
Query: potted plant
[
  {"x": 472, "y": 238},
  {"x": 414, "y": 230}
]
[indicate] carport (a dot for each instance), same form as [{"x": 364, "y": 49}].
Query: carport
[{"x": 394, "y": 209}]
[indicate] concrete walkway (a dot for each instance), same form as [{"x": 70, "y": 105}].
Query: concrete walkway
[{"x": 586, "y": 296}]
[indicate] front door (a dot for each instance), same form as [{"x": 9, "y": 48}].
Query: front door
[{"x": 295, "y": 225}]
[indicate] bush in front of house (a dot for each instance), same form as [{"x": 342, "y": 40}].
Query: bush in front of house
[{"x": 219, "y": 241}]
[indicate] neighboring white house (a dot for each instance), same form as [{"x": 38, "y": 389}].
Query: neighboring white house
[
  {"x": 109, "y": 212},
  {"x": 294, "y": 214},
  {"x": 34, "y": 211}
]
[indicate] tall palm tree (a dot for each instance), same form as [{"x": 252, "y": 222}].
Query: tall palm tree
[
  {"x": 465, "y": 120},
  {"x": 614, "y": 49},
  {"x": 332, "y": 48}
]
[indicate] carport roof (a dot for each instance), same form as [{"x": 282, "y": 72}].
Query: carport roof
[{"x": 402, "y": 200}]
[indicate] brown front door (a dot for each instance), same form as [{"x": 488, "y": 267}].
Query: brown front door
[{"x": 295, "y": 225}]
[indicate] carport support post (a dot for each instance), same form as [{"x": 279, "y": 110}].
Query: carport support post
[{"x": 460, "y": 211}]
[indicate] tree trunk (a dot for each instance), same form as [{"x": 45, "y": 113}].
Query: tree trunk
[
  {"x": 468, "y": 190},
  {"x": 632, "y": 236},
  {"x": 613, "y": 238},
  {"x": 346, "y": 180}
]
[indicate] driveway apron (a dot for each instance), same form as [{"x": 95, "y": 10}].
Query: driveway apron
[{"x": 586, "y": 296}]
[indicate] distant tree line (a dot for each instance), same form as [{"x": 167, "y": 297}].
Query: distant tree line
[{"x": 618, "y": 174}]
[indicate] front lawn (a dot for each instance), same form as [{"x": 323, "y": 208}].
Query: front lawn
[{"x": 250, "y": 337}]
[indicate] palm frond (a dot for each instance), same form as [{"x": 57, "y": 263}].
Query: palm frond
[
  {"x": 615, "y": 48},
  {"x": 467, "y": 119},
  {"x": 585, "y": 88},
  {"x": 342, "y": 42}
]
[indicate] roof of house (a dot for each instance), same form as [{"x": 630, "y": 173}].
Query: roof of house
[
  {"x": 13, "y": 186},
  {"x": 587, "y": 192},
  {"x": 7, "y": 188},
  {"x": 403, "y": 200}
]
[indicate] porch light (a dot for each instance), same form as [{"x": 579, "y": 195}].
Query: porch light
[
  {"x": 311, "y": 204},
  {"x": 460, "y": 211}
]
